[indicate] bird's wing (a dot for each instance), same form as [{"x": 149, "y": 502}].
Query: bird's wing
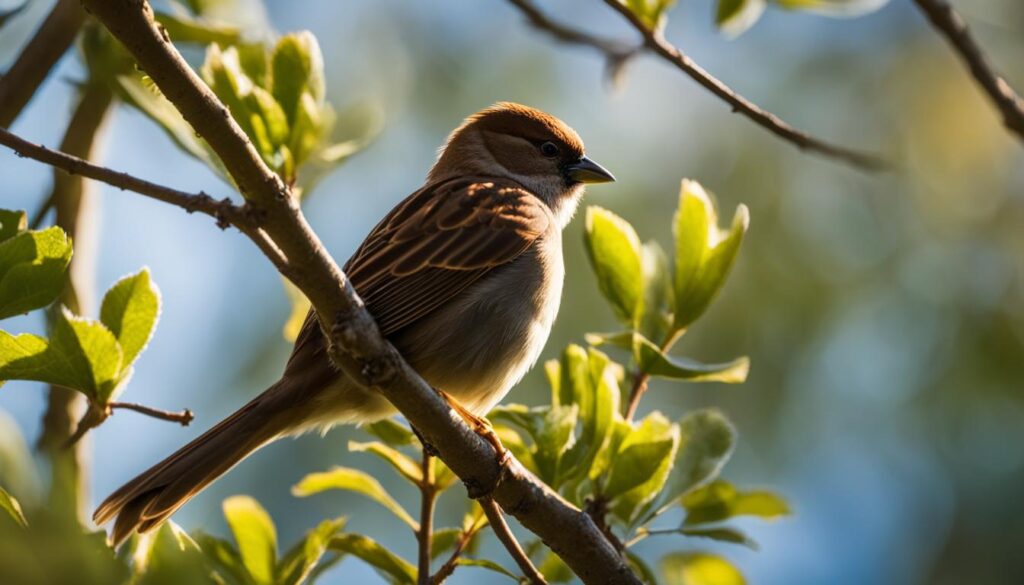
[{"x": 432, "y": 246}]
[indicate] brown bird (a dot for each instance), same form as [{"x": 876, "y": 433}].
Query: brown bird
[{"x": 464, "y": 277}]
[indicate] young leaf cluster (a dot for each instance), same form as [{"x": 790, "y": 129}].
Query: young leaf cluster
[{"x": 629, "y": 473}]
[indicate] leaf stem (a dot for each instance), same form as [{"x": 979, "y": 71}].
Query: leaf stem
[{"x": 641, "y": 379}]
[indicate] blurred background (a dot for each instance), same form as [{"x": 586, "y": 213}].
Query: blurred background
[{"x": 883, "y": 313}]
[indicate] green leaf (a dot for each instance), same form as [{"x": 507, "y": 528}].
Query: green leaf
[
  {"x": 183, "y": 28},
  {"x": 82, "y": 355},
  {"x": 298, "y": 70},
  {"x": 614, "y": 252},
  {"x": 704, "y": 253},
  {"x": 142, "y": 94},
  {"x": 642, "y": 466},
  {"x": 721, "y": 500},
  {"x": 486, "y": 564},
  {"x": 642, "y": 452},
  {"x": 392, "y": 567},
  {"x": 513, "y": 441},
  {"x": 308, "y": 129},
  {"x": 651, "y": 12},
  {"x": 32, "y": 270},
  {"x": 255, "y": 534},
  {"x": 656, "y": 363},
  {"x": 168, "y": 555},
  {"x": 734, "y": 17},
  {"x": 405, "y": 466},
  {"x": 130, "y": 310},
  {"x": 595, "y": 390},
  {"x": 12, "y": 223},
  {"x": 353, "y": 480},
  {"x": 297, "y": 565},
  {"x": 641, "y": 568},
  {"x": 554, "y": 437},
  {"x": 723, "y": 534},
  {"x": 834, "y": 8},
  {"x": 444, "y": 540},
  {"x": 224, "y": 557},
  {"x": 554, "y": 569},
  {"x": 698, "y": 568},
  {"x": 653, "y": 317},
  {"x": 300, "y": 310},
  {"x": 708, "y": 439},
  {"x": 391, "y": 432},
  {"x": 12, "y": 507},
  {"x": 621, "y": 339}
]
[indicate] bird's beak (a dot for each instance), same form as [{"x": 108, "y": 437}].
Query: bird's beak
[{"x": 588, "y": 171}]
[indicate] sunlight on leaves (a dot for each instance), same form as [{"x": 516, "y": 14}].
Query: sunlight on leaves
[
  {"x": 721, "y": 500},
  {"x": 12, "y": 507},
  {"x": 697, "y": 568},
  {"x": 353, "y": 480},
  {"x": 704, "y": 253},
  {"x": 32, "y": 269},
  {"x": 392, "y": 567},
  {"x": 614, "y": 252},
  {"x": 255, "y": 534}
]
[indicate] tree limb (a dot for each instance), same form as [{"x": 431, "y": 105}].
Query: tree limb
[
  {"x": 223, "y": 211},
  {"x": 356, "y": 343},
  {"x": 654, "y": 42},
  {"x": 952, "y": 26},
  {"x": 42, "y": 52}
]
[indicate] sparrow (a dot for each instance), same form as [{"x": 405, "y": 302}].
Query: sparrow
[{"x": 464, "y": 277}]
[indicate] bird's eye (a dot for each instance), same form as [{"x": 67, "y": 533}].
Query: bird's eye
[{"x": 549, "y": 149}]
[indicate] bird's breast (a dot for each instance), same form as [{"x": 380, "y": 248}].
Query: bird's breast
[{"x": 482, "y": 344}]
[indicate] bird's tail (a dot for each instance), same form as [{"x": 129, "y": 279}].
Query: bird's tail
[{"x": 149, "y": 499}]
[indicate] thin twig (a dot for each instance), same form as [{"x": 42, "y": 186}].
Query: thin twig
[
  {"x": 952, "y": 26},
  {"x": 183, "y": 417},
  {"x": 617, "y": 53},
  {"x": 428, "y": 496},
  {"x": 504, "y": 534},
  {"x": 42, "y": 52},
  {"x": 452, "y": 563},
  {"x": 640, "y": 381},
  {"x": 225, "y": 212},
  {"x": 656, "y": 43}
]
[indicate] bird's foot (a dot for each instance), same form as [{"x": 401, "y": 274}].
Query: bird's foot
[{"x": 482, "y": 427}]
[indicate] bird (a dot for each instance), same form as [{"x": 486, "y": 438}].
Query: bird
[{"x": 464, "y": 277}]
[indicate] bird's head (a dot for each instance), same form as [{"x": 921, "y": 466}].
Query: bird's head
[{"x": 526, "y": 145}]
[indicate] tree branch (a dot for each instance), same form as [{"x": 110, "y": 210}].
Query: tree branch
[
  {"x": 183, "y": 418},
  {"x": 952, "y": 26},
  {"x": 356, "y": 343},
  {"x": 504, "y": 534},
  {"x": 617, "y": 53},
  {"x": 654, "y": 42},
  {"x": 223, "y": 211},
  {"x": 42, "y": 52}
]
